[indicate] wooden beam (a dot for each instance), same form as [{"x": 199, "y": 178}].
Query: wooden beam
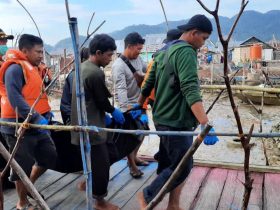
[{"x": 241, "y": 87}]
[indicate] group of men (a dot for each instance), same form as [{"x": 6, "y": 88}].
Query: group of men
[{"x": 177, "y": 106}]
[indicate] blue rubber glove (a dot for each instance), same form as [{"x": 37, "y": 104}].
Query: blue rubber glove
[
  {"x": 144, "y": 119},
  {"x": 43, "y": 121},
  {"x": 136, "y": 106},
  {"x": 118, "y": 116},
  {"x": 135, "y": 113},
  {"x": 211, "y": 140},
  {"x": 108, "y": 120}
]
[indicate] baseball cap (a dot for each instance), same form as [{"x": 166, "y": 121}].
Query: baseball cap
[
  {"x": 172, "y": 34},
  {"x": 5, "y": 36},
  {"x": 200, "y": 22}
]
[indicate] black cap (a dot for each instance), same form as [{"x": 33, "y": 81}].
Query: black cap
[
  {"x": 199, "y": 22},
  {"x": 5, "y": 36},
  {"x": 172, "y": 34},
  {"x": 134, "y": 38}
]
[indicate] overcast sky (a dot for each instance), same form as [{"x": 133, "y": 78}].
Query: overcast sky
[{"x": 50, "y": 15}]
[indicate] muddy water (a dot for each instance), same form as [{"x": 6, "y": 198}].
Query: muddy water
[{"x": 226, "y": 150}]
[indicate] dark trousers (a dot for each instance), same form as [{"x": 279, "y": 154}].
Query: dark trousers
[{"x": 171, "y": 151}]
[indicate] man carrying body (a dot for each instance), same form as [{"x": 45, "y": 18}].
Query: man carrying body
[
  {"x": 178, "y": 105},
  {"x": 101, "y": 49},
  {"x": 127, "y": 82},
  {"x": 20, "y": 85}
]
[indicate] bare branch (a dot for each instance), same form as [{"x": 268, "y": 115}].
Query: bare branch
[
  {"x": 217, "y": 6},
  {"x": 89, "y": 35},
  {"x": 90, "y": 22},
  {"x": 204, "y": 7},
  {"x": 163, "y": 10},
  {"x": 237, "y": 18},
  {"x": 30, "y": 17}
]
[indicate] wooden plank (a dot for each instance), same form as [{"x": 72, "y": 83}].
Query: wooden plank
[
  {"x": 65, "y": 190},
  {"x": 133, "y": 202},
  {"x": 271, "y": 191},
  {"x": 239, "y": 191},
  {"x": 129, "y": 190},
  {"x": 256, "y": 197},
  {"x": 229, "y": 191},
  {"x": 45, "y": 180},
  {"x": 190, "y": 190},
  {"x": 241, "y": 87},
  {"x": 237, "y": 166},
  {"x": 212, "y": 190},
  {"x": 77, "y": 198}
]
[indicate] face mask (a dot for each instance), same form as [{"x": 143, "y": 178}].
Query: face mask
[{"x": 3, "y": 49}]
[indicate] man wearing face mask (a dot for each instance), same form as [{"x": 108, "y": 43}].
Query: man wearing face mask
[
  {"x": 3, "y": 44},
  {"x": 3, "y": 49}
]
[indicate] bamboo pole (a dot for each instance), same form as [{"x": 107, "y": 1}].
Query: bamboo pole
[
  {"x": 93, "y": 129},
  {"x": 24, "y": 178},
  {"x": 179, "y": 169},
  {"x": 241, "y": 87},
  {"x": 81, "y": 108}
]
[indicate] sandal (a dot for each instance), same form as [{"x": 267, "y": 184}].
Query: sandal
[
  {"x": 136, "y": 174},
  {"x": 28, "y": 206},
  {"x": 142, "y": 162}
]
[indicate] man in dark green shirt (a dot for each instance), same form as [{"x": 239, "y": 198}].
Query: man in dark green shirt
[
  {"x": 101, "y": 49},
  {"x": 178, "y": 105}
]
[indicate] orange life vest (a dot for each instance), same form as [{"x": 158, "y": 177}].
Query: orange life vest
[
  {"x": 152, "y": 95},
  {"x": 30, "y": 91}
]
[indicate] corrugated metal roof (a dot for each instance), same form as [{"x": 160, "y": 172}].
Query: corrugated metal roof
[{"x": 153, "y": 42}]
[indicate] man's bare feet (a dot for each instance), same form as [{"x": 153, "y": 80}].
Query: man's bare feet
[
  {"x": 26, "y": 206},
  {"x": 141, "y": 200},
  {"x": 105, "y": 205},
  {"x": 81, "y": 185}
]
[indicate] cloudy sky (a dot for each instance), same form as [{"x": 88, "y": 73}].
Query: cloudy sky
[{"x": 50, "y": 15}]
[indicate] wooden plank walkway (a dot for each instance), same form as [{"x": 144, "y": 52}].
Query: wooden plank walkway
[{"x": 205, "y": 188}]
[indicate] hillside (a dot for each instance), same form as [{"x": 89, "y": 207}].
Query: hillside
[{"x": 251, "y": 23}]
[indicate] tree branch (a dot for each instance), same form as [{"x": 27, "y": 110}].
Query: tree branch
[{"x": 243, "y": 5}]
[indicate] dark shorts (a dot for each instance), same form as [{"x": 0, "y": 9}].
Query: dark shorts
[{"x": 34, "y": 149}]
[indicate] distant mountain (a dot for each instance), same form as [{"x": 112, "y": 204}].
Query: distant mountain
[{"x": 251, "y": 23}]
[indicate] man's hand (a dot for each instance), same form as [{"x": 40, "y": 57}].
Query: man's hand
[
  {"x": 118, "y": 116},
  {"x": 144, "y": 119},
  {"x": 211, "y": 140},
  {"x": 108, "y": 120}
]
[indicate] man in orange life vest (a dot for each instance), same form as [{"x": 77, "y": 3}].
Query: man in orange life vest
[{"x": 20, "y": 85}]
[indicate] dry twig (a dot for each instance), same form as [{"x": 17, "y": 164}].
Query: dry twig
[{"x": 244, "y": 139}]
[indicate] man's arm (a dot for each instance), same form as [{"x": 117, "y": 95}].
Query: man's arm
[
  {"x": 120, "y": 86},
  {"x": 99, "y": 91},
  {"x": 199, "y": 112},
  {"x": 14, "y": 82},
  {"x": 187, "y": 73}
]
